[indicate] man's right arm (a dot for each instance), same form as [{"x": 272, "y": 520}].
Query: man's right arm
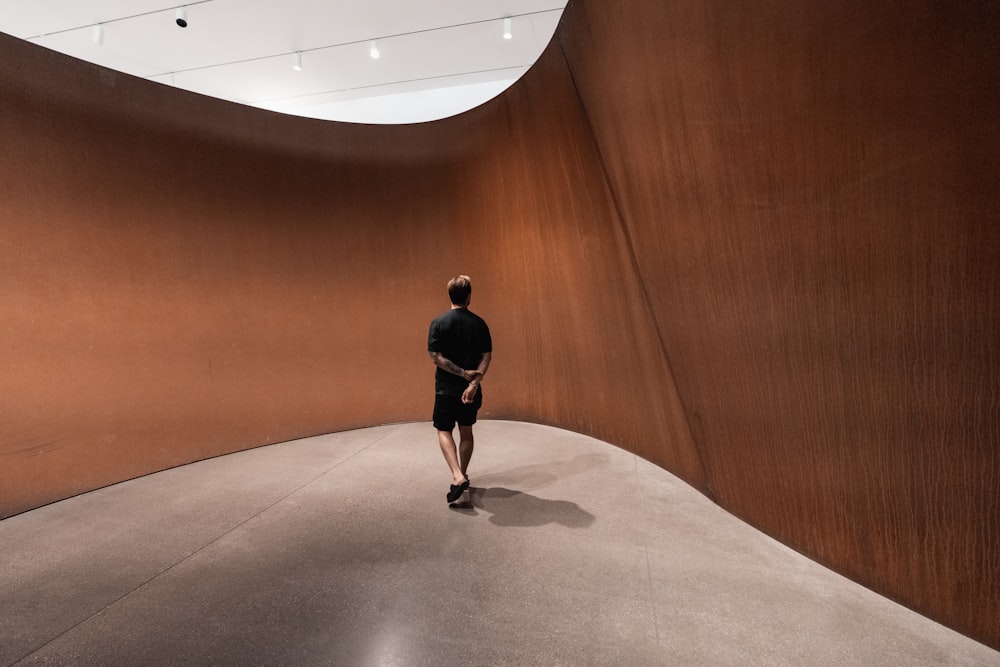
[{"x": 484, "y": 364}]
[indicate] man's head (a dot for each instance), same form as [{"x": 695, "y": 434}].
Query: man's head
[{"x": 460, "y": 290}]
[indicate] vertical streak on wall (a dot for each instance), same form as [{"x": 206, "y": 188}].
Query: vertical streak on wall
[
  {"x": 575, "y": 347},
  {"x": 668, "y": 390}
]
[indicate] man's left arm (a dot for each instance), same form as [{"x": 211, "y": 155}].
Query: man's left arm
[{"x": 446, "y": 364}]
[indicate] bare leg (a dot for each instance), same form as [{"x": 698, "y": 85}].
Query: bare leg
[
  {"x": 447, "y": 442},
  {"x": 465, "y": 447}
]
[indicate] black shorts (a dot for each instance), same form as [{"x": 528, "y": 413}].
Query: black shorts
[{"x": 451, "y": 409}]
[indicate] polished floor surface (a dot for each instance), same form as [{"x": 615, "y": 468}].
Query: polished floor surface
[{"x": 341, "y": 550}]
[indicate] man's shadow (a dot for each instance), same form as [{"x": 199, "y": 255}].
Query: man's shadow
[{"x": 511, "y": 508}]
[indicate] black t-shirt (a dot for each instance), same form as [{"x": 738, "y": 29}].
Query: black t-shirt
[{"x": 461, "y": 336}]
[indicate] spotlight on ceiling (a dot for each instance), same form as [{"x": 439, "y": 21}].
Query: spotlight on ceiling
[
  {"x": 97, "y": 34},
  {"x": 297, "y": 62},
  {"x": 182, "y": 17},
  {"x": 508, "y": 28},
  {"x": 373, "y": 51}
]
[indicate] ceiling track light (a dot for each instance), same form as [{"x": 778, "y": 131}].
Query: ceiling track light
[
  {"x": 297, "y": 62},
  {"x": 373, "y": 50},
  {"x": 97, "y": 34},
  {"x": 181, "y": 17},
  {"x": 508, "y": 27}
]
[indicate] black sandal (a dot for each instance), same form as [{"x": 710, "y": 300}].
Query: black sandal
[{"x": 456, "y": 491}]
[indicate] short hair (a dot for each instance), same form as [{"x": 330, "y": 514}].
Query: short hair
[{"x": 459, "y": 290}]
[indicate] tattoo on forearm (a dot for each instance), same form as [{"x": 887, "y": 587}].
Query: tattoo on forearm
[{"x": 448, "y": 365}]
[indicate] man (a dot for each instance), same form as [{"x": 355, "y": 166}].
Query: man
[{"x": 460, "y": 345}]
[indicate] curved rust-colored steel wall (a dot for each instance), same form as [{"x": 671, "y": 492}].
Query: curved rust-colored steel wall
[
  {"x": 811, "y": 193},
  {"x": 184, "y": 277},
  {"x": 788, "y": 208}
]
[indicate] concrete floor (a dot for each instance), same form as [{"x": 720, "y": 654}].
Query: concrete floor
[{"x": 341, "y": 550}]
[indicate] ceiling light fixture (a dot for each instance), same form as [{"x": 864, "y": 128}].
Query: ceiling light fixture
[
  {"x": 508, "y": 28},
  {"x": 181, "y": 17},
  {"x": 374, "y": 52},
  {"x": 97, "y": 34},
  {"x": 297, "y": 62}
]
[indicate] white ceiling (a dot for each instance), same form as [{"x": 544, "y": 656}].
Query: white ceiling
[{"x": 438, "y": 57}]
